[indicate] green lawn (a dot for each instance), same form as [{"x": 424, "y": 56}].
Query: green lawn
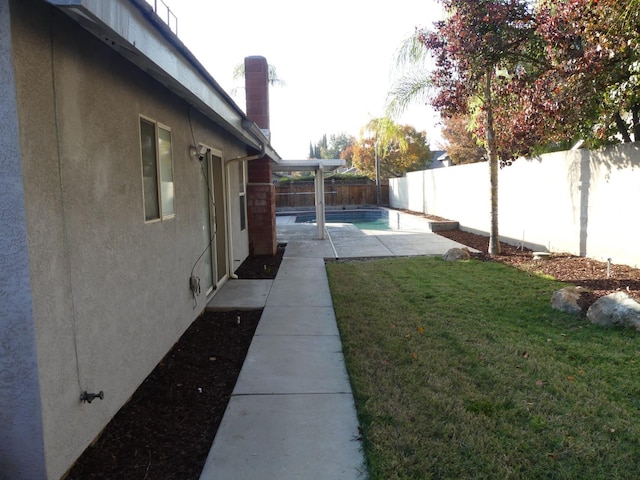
[{"x": 463, "y": 370}]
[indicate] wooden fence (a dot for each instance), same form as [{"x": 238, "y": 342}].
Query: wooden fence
[{"x": 292, "y": 195}]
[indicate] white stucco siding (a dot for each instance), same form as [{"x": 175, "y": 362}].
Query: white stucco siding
[{"x": 108, "y": 287}]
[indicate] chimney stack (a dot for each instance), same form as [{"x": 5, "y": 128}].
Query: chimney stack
[
  {"x": 261, "y": 193},
  {"x": 256, "y": 71}
]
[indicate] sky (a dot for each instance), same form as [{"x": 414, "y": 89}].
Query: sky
[{"x": 335, "y": 56}]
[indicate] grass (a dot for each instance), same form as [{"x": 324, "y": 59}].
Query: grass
[{"x": 463, "y": 370}]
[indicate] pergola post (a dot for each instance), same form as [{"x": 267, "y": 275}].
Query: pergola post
[
  {"x": 320, "y": 207},
  {"x": 318, "y": 167}
]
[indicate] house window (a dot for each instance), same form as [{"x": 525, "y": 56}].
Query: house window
[
  {"x": 157, "y": 170},
  {"x": 242, "y": 179}
]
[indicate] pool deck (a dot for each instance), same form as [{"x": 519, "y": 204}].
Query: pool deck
[
  {"x": 348, "y": 241},
  {"x": 292, "y": 414}
]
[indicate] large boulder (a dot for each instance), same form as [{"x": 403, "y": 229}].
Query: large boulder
[
  {"x": 455, "y": 254},
  {"x": 571, "y": 299},
  {"x": 615, "y": 309}
]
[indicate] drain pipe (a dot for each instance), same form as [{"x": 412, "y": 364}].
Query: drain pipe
[{"x": 249, "y": 126}]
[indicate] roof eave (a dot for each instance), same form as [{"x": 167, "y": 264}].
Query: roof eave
[{"x": 133, "y": 29}]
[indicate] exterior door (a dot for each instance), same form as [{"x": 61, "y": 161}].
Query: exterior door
[{"x": 214, "y": 234}]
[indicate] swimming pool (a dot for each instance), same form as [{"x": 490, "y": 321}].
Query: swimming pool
[{"x": 365, "y": 219}]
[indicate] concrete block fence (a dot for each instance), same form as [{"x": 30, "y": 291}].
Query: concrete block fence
[{"x": 581, "y": 202}]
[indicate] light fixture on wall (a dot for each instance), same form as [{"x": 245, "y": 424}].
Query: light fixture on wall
[{"x": 198, "y": 152}]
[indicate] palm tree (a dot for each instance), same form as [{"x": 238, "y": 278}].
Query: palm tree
[
  {"x": 414, "y": 85},
  {"x": 274, "y": 80}
]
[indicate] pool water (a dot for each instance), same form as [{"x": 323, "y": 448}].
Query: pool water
[
  {"x": 363, "y": 219},
  {"x": 378, "y": 224}
]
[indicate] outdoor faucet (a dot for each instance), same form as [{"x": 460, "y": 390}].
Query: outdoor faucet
[{"x": 86, "y": 397}]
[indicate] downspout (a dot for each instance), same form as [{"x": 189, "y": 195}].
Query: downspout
[{"x": 249, "y": 126}]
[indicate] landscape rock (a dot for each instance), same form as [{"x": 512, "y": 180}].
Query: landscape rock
[
  {"x": 615, "y": 309},
  {"x": 570, "y": 299},
  {"x": 456, "y": 254}
]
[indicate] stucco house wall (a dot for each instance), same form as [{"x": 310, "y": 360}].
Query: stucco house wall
[
  {"x": 21, "y": 447},
  {"x": 104, "y": 294}
]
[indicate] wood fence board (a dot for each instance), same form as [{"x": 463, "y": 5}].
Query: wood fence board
[{"x": 301, "y": 195}]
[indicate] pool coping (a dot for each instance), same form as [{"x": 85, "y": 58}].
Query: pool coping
[{"x": 403, "y": 220}]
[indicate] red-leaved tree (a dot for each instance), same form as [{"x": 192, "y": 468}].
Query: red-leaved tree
[
  {"x": 480, "y": 46},
  {"x": 590, "y": 87}
]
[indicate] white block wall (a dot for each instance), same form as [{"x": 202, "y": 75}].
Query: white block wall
[{"x": 580, "y": 202}]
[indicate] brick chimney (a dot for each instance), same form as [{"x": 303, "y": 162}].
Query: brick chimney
[{"x": 261, "y": 193}]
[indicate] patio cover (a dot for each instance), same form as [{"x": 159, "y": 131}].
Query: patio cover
[{"x": 318, "y": 166}]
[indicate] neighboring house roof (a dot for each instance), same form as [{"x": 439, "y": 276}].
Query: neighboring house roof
[
  {"x": 132, "y": 28},
  {"x": 349, "y": 171},
  {"x": 437, "y": 154},
  {"x": 438, "y": 159}
]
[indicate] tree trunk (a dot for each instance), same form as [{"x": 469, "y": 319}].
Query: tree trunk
[
  {"x": 494, "y": 241},
  {"x": 635, "y": 112},
  {"x": 622, "y": 127}
]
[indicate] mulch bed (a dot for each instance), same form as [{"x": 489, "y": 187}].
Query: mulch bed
[
  {"x": 262, "y": 266},
  {"x": 579, "y": 271},
  {"x": 165, "y": 431}
]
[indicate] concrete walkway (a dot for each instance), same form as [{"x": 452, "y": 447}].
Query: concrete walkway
[{"x": 291, "y": 414}]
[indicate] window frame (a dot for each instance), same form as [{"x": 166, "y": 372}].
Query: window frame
[{"x": 159, "y": 199}]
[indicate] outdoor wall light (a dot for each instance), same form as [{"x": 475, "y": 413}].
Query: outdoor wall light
[{"x": 198, "y": 152}]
